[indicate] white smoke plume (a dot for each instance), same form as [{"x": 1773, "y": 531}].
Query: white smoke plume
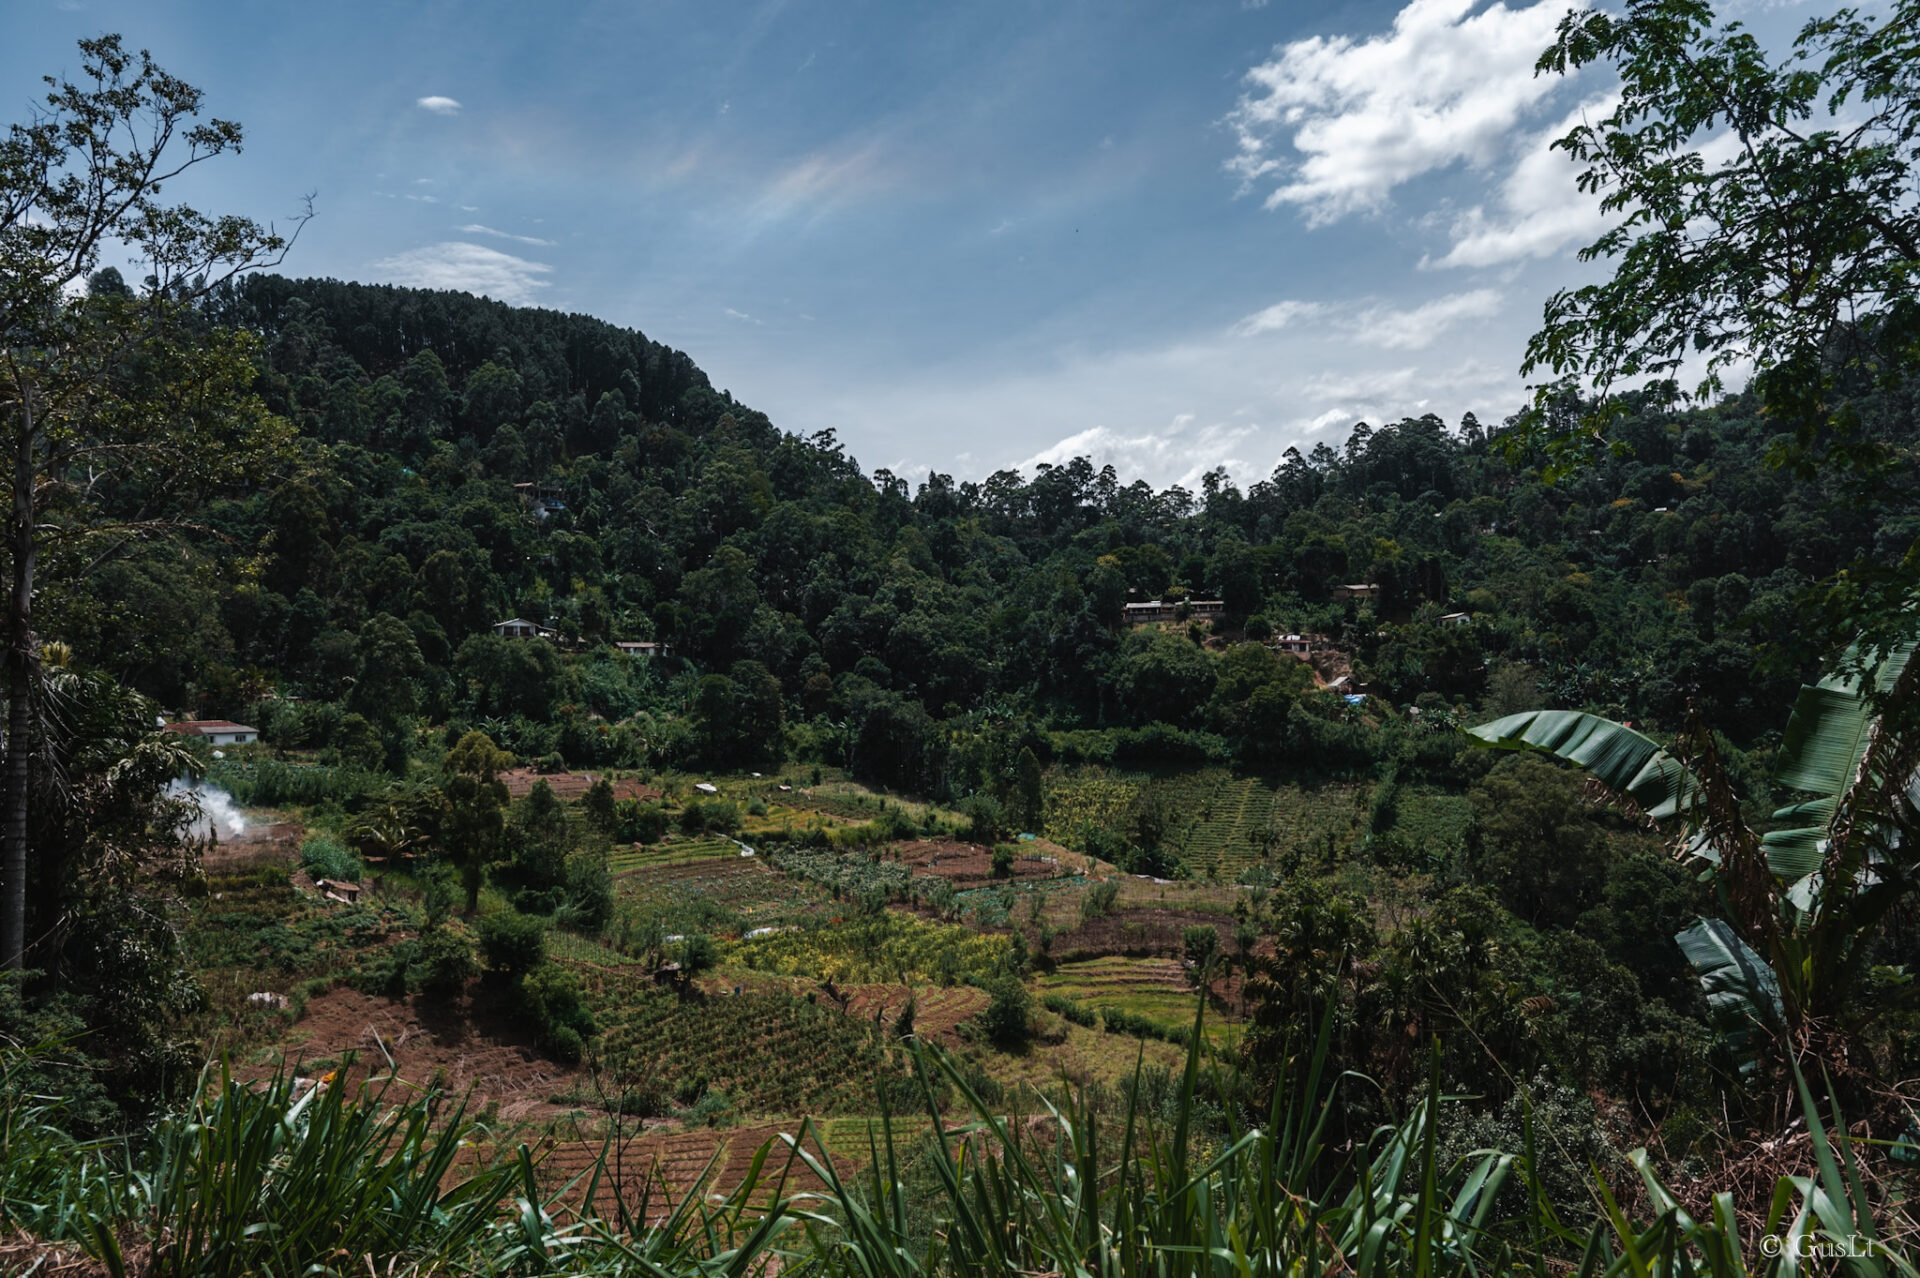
[{"x": 218, "y": 814}]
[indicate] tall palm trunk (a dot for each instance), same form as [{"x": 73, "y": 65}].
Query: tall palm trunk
[{"x": 13, "y": 796}]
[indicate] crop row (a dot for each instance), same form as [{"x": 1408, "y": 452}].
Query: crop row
[
  {"x": 768, "y": 1053},
  {"x": 876, "y": 948},
  {"x": 1087, "y": 798},
  {"x": 678, "y": 852}
]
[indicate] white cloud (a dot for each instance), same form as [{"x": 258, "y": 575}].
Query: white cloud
[
  {"x": 1540, "y": 207},
  {"x": 474, "y": 228},
  {"x": 1445, "y": 85},
  {"x": 1416, "y": 329},
  {"x": 1387, "y": 327},
  {"x": 470, "y": 268},
  {"x": 1277, "y": 316},
  {"x": 741, "y": 316},
  {"x": 1181, "y": 451},
  {"x": 438, "y": 105}
]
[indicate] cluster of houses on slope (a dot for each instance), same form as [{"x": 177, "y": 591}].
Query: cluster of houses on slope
[{"x": 521, "y": 628}]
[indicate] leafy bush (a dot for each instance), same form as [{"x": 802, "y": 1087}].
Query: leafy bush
[
  {"x": 716, "y": 815},
  {"x": 637, "y": 822},
  {"x": 325, "y": 857},
  {"x": 1003, "y": 857},
  {"x": 1099, "y": 900},
  {"x": 444, "y": 961},
  {"x": 1005, "y": 1018},
  {"x": 1061, "y": 1005},
  {"x": 550, "y": 999},
  {"x": 986, "y": 818},
  {"x": 589, "y": 892},
  {"x": 512, "y": 942}
]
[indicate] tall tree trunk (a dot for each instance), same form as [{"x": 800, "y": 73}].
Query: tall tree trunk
[{"x": 13, "y": 815}]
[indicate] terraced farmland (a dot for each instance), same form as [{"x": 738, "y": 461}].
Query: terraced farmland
[
  {"x": 1226, "y": 824},
  {"x": 885, "y": 948},
  {"x": 640, "y": 856},
  {"x": 769, "y": 1053},
  {"x": 660, "y": 1170},
  {"x": 744, "y": 886},
  {"x": 1154, "y": 988}
]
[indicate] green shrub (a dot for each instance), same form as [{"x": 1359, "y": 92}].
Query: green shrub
[
  {"x": 325, "y": 857},
  {"x": 1061, "y": 1005},
  {"x": 1005, "y": 1018},
  {"x": 1003, "y": 855},
  {"x": 986, "y": 818},
  {"x": 565, "y": 1045},
  {"x": 512, "y": 942},
  {"x": 703, "y": 815},
  {"x": 550, "y": 1000},
  {"x": 444, "y": 961},
  {"x": 637, "y": 822},
  {"x": 1099, "y": 900}
]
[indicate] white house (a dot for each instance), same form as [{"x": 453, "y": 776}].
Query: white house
[
  {"x": 644, "y": 648},
  {"x": 218, "y": 732},
  {"x": 521, "y": 628}
]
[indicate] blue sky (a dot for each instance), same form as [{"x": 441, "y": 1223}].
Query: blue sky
[{"x": 1170, "y": 236}]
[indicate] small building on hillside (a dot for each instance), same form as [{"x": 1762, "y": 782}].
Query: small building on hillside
[
  {"x": 1141, "y": 614},
  {"x": 1357, "y": 590},
  {"x": 644, "y": 648},
  {"x": 1457, "y": 619},
  {"x": 540, "y": 500},
  {"x": 1298, "y": 645},
  {"x": 220, "y": 732},
  {"x": 521, "y": 628}
]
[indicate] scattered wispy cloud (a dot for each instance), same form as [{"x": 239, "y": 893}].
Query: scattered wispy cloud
[
  {"x": 1182, "y": 449},
  {"x": 1418, "y": 327},
  {"x": 438, "y": 105},
  {"x": 469, "y": 268},
  {"x": 1388, "y": 327},
  {"x": 1337, "y": 122},
  {"x": 742, "y": 316},
  {"x": 1277, "y": 316},
  {"x": 474, "y": 228},
  {"x": 1538, "y": 209}
]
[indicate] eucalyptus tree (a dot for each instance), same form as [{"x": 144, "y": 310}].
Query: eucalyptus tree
[{"x": 119, "y": 407}]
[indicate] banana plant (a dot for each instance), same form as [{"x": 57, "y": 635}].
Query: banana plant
[{"x": 1803, "y": 900}]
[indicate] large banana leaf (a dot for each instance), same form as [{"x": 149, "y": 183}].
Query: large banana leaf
[
  {"x": 1828, "y": 732},
  {"x": 1625, "y": 761},
  {"x": 1827, "y": 736},
  {"x": 1743, "y": 997}
]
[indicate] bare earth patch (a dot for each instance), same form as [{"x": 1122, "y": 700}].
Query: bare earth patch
[{"x": 458, "y": 1042}]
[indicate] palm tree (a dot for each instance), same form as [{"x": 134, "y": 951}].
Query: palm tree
[{"x": 1802, "y": 902}]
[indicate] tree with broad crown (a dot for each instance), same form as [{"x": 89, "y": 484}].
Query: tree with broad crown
[
  {"x": 1795, "y": 256},
  {"x": 118, "y": 408}
]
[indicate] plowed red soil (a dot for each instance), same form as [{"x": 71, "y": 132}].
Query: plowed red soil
[
  {"x": 968, "y": 865},
  {"x": 660, "y": 1170},
  {"x": 1138, "y": 933},
  {"x": 277, "y": 842},
  {"x": 572, "y": 785},
  {"x": 460, "y": 1042}
]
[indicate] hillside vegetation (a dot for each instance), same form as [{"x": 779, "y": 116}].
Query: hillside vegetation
[{"x": 837, "y": 880}]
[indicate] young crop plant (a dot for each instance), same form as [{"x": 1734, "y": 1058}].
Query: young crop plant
[{"x": 888, "y": 947}]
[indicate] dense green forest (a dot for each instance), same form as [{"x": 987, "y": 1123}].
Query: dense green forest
[
  {"x": 1553, "y": 911},
  {"x": 900, "y": 619}
]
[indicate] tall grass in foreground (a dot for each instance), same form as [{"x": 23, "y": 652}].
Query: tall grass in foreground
[{"x": 254, "y": 1180}]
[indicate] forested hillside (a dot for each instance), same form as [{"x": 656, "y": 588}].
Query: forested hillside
[
  {"x": 902, "y": 621},
  {"x": 479, "y": 799}
]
